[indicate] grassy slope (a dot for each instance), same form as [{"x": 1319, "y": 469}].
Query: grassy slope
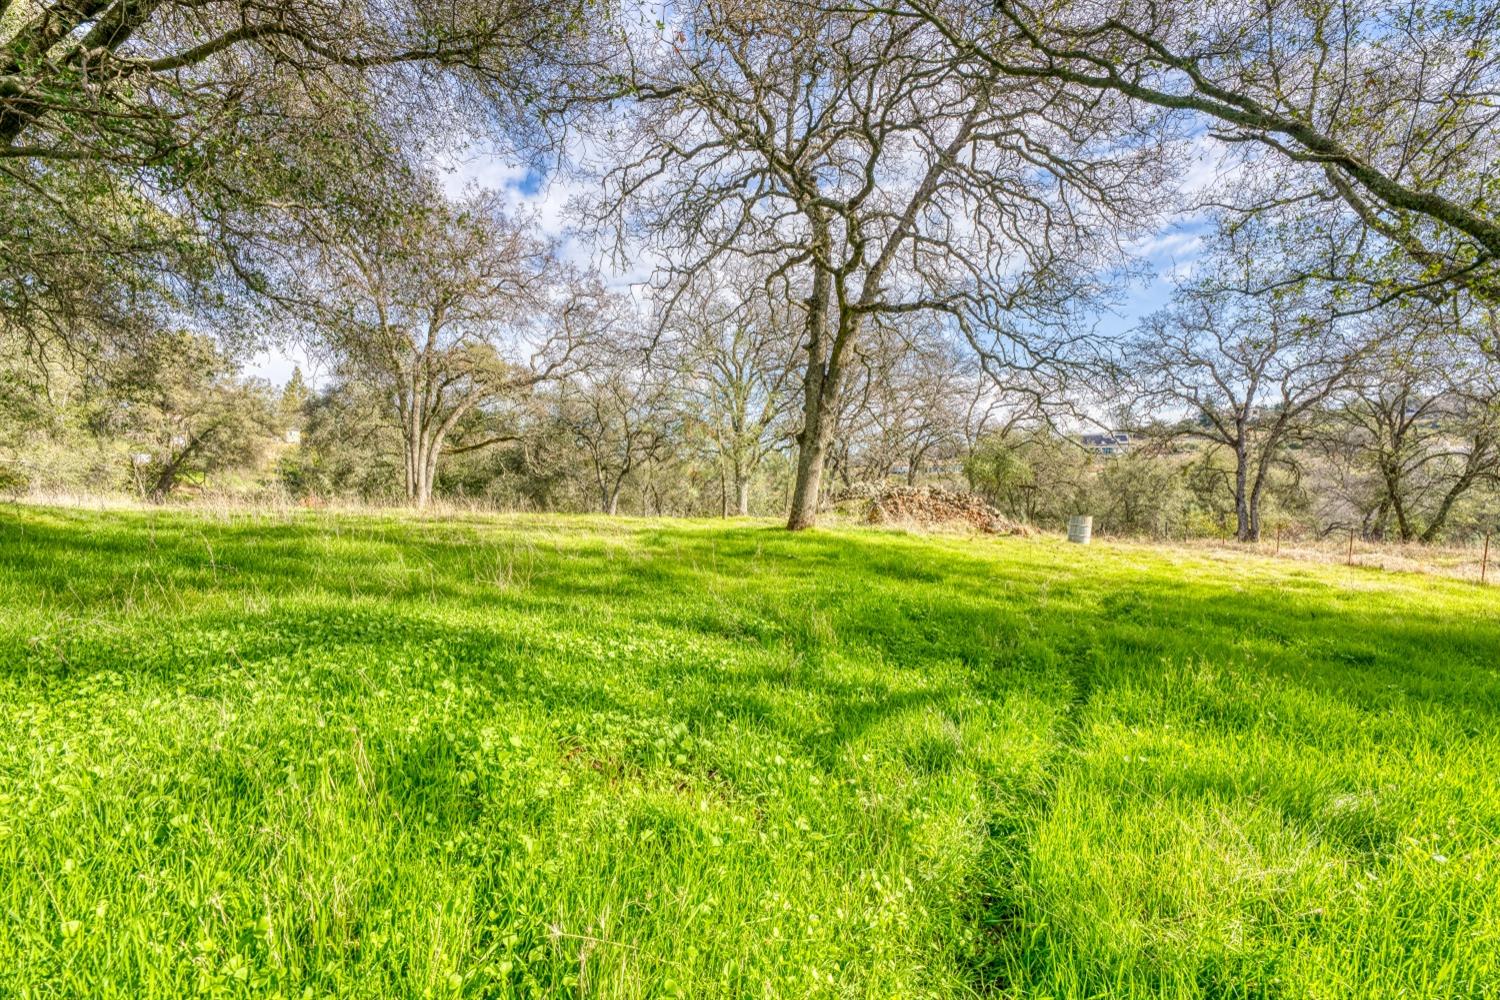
[{"x": 381, "y": 757}]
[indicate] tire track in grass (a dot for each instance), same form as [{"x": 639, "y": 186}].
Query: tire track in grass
[{"x": 999, "y": 908}]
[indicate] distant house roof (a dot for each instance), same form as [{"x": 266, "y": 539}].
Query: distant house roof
[{"x": 1106, "y": 443}]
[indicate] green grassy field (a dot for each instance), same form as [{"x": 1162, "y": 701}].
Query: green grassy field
[{"x": 382, "y": 757}]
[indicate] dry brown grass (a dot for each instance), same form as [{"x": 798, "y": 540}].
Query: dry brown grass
[{"x": 1461, "y": 562}]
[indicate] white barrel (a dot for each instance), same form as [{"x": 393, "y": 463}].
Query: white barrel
[{"x": 1080, "y": 528}]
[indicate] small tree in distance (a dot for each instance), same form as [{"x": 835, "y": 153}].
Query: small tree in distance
[
  {"x": 1244, "y": 367},
  {"x": 444, "y": 308}
]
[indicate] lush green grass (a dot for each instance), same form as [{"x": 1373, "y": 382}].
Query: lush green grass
[{"x": 358, "y": 756}]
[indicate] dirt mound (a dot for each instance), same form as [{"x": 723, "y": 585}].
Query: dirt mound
[{"x": 927, "y": 507}]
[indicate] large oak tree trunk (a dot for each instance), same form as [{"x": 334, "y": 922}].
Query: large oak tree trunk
[
  {"x": 1395, "y": 498},
  {"x": 421, "y": 465},
  {"x": 818, "y": 388},
  {"x": 1257, "y": 494},
  {"x": 811, "y": 451},
  {"x": 1244, "y": 521},
  {"x": 165, "y": 483},
  {"x": 1376, "y": 522},
  {"x": 742, "y": 496},
  {"x": 821, "y": 383}
]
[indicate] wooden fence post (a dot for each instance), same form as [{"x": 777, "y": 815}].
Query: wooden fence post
[
  {"x": 1278, "y": 541},
  {"x": 1484, "y": 560},
  {"x": 1350, "y": 561}
]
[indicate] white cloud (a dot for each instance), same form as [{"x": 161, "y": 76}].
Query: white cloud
[
  {"x": 1169, "y": 243},
  {"x": 275, "y": 364},
  {"x": 548, "y": 198}
]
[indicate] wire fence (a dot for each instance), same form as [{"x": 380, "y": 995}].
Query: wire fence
[{"x": 1476, "y": 560}]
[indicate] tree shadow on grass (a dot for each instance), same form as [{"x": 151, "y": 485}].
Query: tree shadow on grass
[
  {"x": 879, "y": 594},
  {"x": 867, "y": 627}
]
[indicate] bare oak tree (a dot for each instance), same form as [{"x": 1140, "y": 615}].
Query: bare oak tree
[
  {"x": 1419, "y": 428},
  {"x": 913, "y": 398},
  {"x": 874, "y": 171},
  {"x": 1246, "y": 368},
  {"x": 734, "y": 345},
  {"x": 619, "y": 410}
]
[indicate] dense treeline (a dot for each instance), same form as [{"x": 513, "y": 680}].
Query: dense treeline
[{"x": 1406, "y": 447}]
